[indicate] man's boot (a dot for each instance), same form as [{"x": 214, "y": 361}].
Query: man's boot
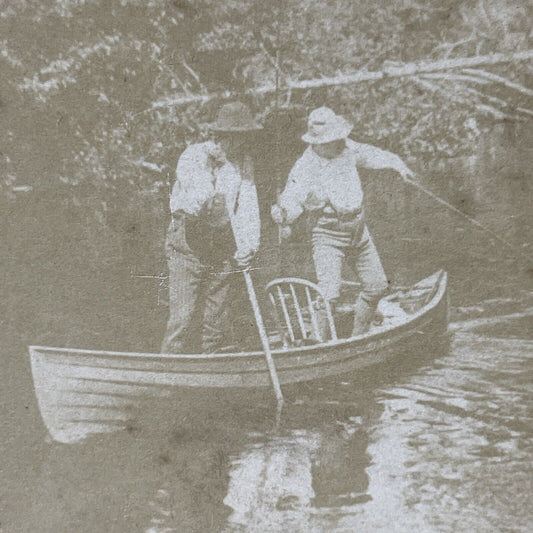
[
  {"x": 364, "y": 313},
  {"x": 322, "y": 322},
  {"x": 324, "y": 328}
]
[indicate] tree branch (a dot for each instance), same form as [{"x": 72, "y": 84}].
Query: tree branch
[
  {"x": 493, "y": 99},
  {"x": 449, "y": 47},
  {"x": 404, "y": 70},
  {"x": 525, "y": 111},
  {"x": 496, "y": 113},
  {"x": 193, "y": 74},
  {"x": 453, "y": 77},
  {"x": 499, "y": 79}
]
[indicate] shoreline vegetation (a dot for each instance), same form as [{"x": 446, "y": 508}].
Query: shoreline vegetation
[{"x": 85, "y": 169}]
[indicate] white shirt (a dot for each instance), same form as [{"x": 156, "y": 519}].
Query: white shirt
[
  {"x": 204, "y": 171},
  {"x": 315, "y": 182}
]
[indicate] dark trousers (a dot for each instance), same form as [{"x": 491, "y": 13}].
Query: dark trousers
[{"x": 199, "y": 293}]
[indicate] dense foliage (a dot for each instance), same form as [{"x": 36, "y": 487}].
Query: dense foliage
[
  {"x": 92, "y": 124},
  {"x": 79, "y": 77},
  {"x": 88, "y": 86}
]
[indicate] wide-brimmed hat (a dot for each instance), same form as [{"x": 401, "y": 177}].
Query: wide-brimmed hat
[
  {"x": 324, "y": 126},
  {"x": 235, "y": 117}
]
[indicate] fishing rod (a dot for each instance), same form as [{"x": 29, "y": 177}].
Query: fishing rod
[{"x": 470, "y": 219}]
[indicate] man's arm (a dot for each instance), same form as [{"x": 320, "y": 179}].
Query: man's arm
[
  {"x": 369, "y": 156},
  {"x": 291, "y": 200},
  {"x": 194, "y": 182},
  {"x": 246, "y": 224}
]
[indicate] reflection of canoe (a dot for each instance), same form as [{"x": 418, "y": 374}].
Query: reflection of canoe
[{"x": 86, "y": 391}]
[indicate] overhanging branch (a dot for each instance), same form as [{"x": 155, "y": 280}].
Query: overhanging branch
[
  {"x": 499, "y": 79},
  {"x": 403, "y": 70}
]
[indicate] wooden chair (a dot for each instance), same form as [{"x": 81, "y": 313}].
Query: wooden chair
[{"x": 296, "y": 305}]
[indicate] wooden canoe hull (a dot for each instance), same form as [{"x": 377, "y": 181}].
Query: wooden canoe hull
[{"x": 86, "y": 391}]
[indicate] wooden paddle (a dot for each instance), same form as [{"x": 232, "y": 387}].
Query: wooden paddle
[{"x": 264, "y": 337}]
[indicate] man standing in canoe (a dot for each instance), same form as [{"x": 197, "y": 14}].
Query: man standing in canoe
[
  {"x": 214, "y": 230},
  {"x": 325, "y": 183}
]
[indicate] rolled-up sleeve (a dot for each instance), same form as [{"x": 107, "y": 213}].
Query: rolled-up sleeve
[
  {"x": 245, "y": 222},
  {"x": 194, "y": 182},
  {"x": 372, "y": 157}
]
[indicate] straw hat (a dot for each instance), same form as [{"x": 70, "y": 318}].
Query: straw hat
[
  {"x": 325, "y": 126},
  {"x": 235, "y": 117}
]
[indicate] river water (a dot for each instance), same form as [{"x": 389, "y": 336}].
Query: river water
[{"x": 440, "y": 442}]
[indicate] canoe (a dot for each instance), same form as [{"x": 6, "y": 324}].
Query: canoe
[{"x": 80, "y": 391}]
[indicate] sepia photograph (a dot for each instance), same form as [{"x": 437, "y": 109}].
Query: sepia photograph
[{"x": 266, "y": 266}]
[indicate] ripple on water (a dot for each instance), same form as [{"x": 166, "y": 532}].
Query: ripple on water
[{"x": 454, "y": 442}]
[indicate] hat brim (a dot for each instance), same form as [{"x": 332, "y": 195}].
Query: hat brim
[{"x": 336, "y": 134}]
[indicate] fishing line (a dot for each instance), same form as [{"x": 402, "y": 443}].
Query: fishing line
[{"x": 470, "y": 219}]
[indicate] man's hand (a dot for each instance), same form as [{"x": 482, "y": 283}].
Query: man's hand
[
  {"x": 404, "y": 171},
  {"x": 278, "y": 214},
  {"x": 313, "y": 202},
  {"x": 243, "y": 259},
  {"x": 284, "y": 232},
  {"x": 217, "y": 211}
]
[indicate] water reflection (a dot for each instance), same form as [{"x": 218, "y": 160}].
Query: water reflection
[
  {"x": 435, "y": 445},
  {"x": 440, "y": 444},
  {"x": 450, "y": 451},
  {"x": 285, "y": 482},
  {"x": 233, "y": 470},
  {"x": 307, "y": 475},
  {"x": 445, "y": 448},
  {"x": 271, "y": 485}
]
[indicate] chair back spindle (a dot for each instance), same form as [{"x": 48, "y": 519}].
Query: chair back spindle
[{"x": 299, "y": 310}]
